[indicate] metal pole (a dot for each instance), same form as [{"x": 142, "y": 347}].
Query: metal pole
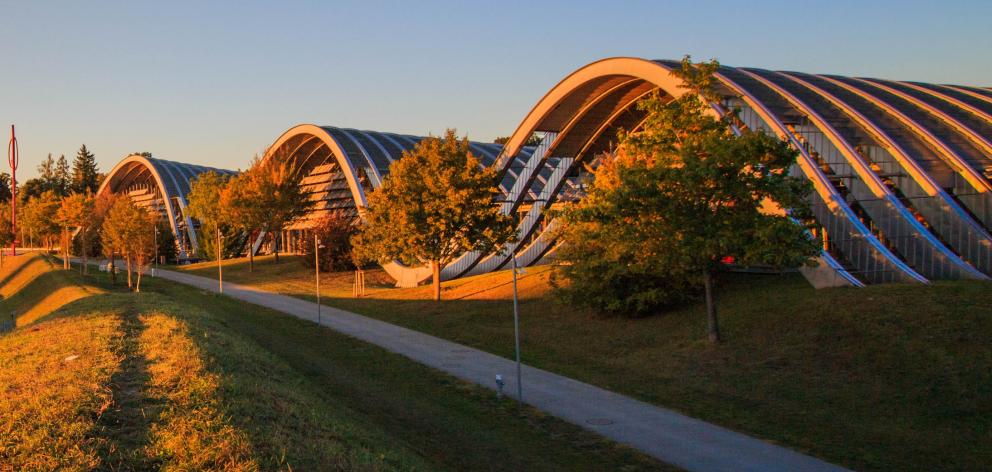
[
  {"x": 516, "y": 331},
  {"x": 316, "y": 271},
  {"x": 155, "y": 264},
  {"x": 220, "y": 269},
  {"x": 12, "y": 159}
]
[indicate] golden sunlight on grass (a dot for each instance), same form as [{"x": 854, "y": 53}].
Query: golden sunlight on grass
[
  {"x": 31, "y": 286},
  {"x": 53, "y": 387},
  {"x": 890, "y": 376},
  {"x": 174, "y": 378},
  {"x": 191, "y": 432}
]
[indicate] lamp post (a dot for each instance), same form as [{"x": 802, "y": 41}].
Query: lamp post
[
  {"x": 12, "y": 159},
  {"x": 220, "y": 268},
  {"x": 516, "y": 328},
  {"x": 155, "y": 264},
  {"x": 316, "y": 270}
]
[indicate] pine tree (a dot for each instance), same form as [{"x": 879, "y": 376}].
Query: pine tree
[
  {"x": 85, "y": 175},
  {"x": 46, "y": 174},
  {"x": 62, "y": 180}
]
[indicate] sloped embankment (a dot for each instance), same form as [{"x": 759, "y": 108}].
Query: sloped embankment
[
  {"x": 31, "y": 287},
  {"x": 95, "y": 377}
]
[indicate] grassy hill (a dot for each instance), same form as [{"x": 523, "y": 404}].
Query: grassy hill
[
  {"x": 893, "y": 377},
  {"x": 30, "y": 288},
  {"x": 176, "y": 378}
]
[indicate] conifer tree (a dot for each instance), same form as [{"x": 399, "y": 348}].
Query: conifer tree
[
  {"x": 62, "y": 183},
  {"x": 85, "y": 175},
  {"x": 46, "y": 174}
]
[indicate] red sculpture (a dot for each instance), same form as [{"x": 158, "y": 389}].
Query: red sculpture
[{"x": 12, "y": 158}]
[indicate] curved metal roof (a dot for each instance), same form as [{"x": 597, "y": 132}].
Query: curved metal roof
[
  {"x": 901, "y": 170},
  {"x": 172, "y": 181}
]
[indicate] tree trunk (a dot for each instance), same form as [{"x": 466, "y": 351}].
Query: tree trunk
[
  {"x": 65, "y": 237},
  {"x": 714, "y": 326},
  {"x": 85, "y": 269},
  {"x": 113, "y": 269},
  {"x": 137, "y": 285},
  {"x": 275, "y": 245},
  {"x": 251, "y": 253},
  {"x": 127, "y": 262},
  {"x": 436, "y": 269}
]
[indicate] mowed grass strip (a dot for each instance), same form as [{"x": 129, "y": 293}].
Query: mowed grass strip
[{"x": 892, "y": 377}]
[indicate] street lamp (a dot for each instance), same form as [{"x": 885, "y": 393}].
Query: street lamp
[
  {"x": 155, "y": 263},
  {"x": 220, "y": 269},
  {"x": 316, "y": 270},
  {"x": 516, "y": 328}
]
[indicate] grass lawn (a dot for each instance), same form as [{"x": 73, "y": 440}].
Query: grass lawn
[
  {"x": 176, "y": 378},
  {"x": 894, "y": 377}
]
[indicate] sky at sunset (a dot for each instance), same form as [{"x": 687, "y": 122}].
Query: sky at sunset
[{"x": 214, "y": 83}]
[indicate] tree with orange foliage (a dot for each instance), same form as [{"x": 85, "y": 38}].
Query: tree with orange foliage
[{"x": 130, "y": 229}]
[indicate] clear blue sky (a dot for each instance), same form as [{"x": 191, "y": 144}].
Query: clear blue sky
[{"x": 214, "y": 83}]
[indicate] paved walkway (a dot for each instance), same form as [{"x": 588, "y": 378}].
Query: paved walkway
[{"x": 669, "y": 436}]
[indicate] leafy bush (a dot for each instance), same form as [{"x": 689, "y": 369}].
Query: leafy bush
[{"x": 334, "y": 231}]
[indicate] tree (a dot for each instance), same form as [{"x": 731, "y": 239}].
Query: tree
[
  {"x": 533, "y": 140},
  {"x": 39, "y": 217},
  {"x": 205, "y": 205},
  {"x": 4, "y": 187},
  {"x": 334, "y": 231},
  {"x": 166, "y": 241},
  {"x": 269, "y": 196},
  {"x": 679, "y": 195},
  {"x": 75, "y": 211},
  {"x": 436, "y": 203},
  {"x": 85, "y": 175},
  {"x": 130, "y": 229},
  {"x": 6, "y": 229},
  {"x": 62, "y": 185},
  {"x": 102, "y": 204},
  {"x": 240, "y": 199},
  {"x": 30, "y": 188},
  {"x": 46, "y": 173}
]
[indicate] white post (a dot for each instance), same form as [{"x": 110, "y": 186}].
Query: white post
[
  {"x": 516, "y": 330},
  {"x": 316, "y": 271},
  {"x": 155, "y": 264},
  {"x": 220, "y": 269}
]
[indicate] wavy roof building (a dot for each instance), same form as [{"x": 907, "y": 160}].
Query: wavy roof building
[
  {"x": 901, "y": 170},
  {"x": 161, "y": 186}
]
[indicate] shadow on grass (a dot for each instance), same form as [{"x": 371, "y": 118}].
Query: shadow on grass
[
  {"x": 14, "y": 273},
  {"x": 124, "y": 428},
  {"x": 450, "y": 423}
]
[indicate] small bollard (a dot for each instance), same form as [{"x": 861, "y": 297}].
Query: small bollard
[{"x": 499, "y": 386}]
